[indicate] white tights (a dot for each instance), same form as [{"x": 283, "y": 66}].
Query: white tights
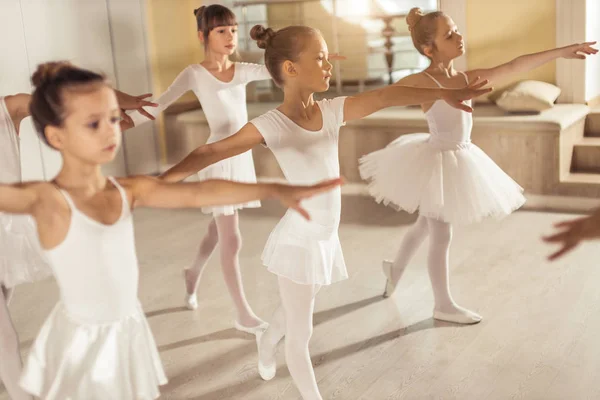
[
  {"x": 225, "y": 231},
  {"x": 440, "y": 236},
  {"x": 294, "y": 320}
]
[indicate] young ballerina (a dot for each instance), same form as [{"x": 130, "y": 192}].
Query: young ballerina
[
  {"x": 441, "y": 174},
  {"x": 21, "y": 260},
  {"x": 303, "y": 135},
  {"x": 220, "y": 86},
  {"x": 96, "y": 343}
]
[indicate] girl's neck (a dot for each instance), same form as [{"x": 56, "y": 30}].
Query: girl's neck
[
  {"x": 442, "y": 67},
  {"x": 297, "y": 103},
  {"x": 81, "y": 177},
  {"x": 218, "y": 62}
]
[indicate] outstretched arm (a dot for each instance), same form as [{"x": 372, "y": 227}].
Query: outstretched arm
[
  {"x": 528, "y": 62},
  {"x": 152, "y": 192},
  {"x": 18, "y": 107},
  {"x": 129, "y": 102},
  {"x": 367, "y": 103},
  {"x": 208, "y": 154},
  {"x": 181, "y": 85}
]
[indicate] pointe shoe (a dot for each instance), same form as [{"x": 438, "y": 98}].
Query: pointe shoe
[
  {"x": 389, "y": 283},
  {"x": 191, "y": 300},
  {"x": 464, "y": 318},
  {"x": 266, "y": 372},
  {"x": 253, "y": 330}
]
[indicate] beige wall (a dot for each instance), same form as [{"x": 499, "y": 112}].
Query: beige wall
[
  {"x": 173, "y": 45},
  {"x": 173, "y": 38},
  {"x": 500, "y": 30},
  {"x": 352, "y": 38}
]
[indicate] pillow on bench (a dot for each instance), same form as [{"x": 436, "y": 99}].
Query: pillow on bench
[{"x": 529, "y": 96}]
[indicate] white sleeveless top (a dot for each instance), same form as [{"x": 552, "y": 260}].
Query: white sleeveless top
[
  {"x": 449, "y": 126},
  {"x": 96, "y": 343},
  {"x": 96, "y": 265}
]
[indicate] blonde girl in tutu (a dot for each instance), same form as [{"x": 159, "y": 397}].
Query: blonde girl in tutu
[
  {"x": 303, "y": 134},
  {"x": 96, "y": 343},
  {"x": 442, "y": 175}
]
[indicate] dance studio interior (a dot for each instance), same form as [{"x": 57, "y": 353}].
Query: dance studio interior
[{"x": 456, "y": 258}]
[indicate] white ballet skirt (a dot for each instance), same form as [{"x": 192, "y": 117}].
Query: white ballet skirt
[
  {"x": 96, "y": 344},
  {"x": 76, "y": 359},
  {"x": 224, "y": 105},
  {"x": 307, "y": 252},
  {"x": 238, "y": 168},
  {"x": 21, "y": 258},
  {"x": 460, "y": 186},
  {"x": 442, "y": 174}
]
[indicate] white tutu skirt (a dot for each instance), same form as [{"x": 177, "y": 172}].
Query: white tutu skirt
[
  {"x": 71, "y": 360},
  {"x": 21, "y": 257},
  {"x": 239, "y": 168},
  {"x": 459, "y": 185},
  {"x": 306, "y": 252}
]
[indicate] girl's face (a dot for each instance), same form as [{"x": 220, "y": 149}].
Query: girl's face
[
  {"x": 222, "y": 40},
  {"x": 312, "y": 70},
  {"x": 90, "y": 131},
  {"x": 449, "y": 43}
]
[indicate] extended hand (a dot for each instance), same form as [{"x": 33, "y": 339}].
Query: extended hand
[
  {"x": 291, "y": 196},
  {"x": 574, "y": 232},
  {"x": 457, "y": 97},
  {"x": 129, "y": 102},
  {"x": 579, "y": 51}
]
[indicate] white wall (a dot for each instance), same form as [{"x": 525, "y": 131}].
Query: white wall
[
  {"x": 592, "y": 33},
  {"x": 103, "y": 35}
]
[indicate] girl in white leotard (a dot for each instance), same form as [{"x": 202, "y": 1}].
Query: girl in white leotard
[
  {"x": 21, "y": 259},
  {"x": 442, "y": 174},
  {"x": 96, "y": 343},
  {"x": 220, "y": 86},
  {"x": 303, "y": 134}
]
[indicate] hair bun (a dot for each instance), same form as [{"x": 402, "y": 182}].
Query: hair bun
[
  {"x": 48, "y": 71},
  {"x": 262, "y": 35},
  {"x": 199, "y": 11},
  {"x": 413, "y": 17}
]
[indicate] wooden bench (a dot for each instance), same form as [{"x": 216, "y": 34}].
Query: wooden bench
[{"x": 536, "y": 150}]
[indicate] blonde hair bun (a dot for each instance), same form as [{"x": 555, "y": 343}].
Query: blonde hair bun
[{"x": 413, "y": 17}]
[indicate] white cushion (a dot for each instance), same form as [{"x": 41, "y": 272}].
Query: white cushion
[{"x": 529, "y": 96}]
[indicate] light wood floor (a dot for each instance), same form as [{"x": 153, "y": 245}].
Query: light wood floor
[{"x": 538, "y": 339}]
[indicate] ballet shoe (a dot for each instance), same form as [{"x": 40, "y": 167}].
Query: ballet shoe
[
  {"x": 253, "y": 330},
  {"x": 465, "y": 317},
  {"x": 191, "y": 299},
  {"x": 266, "y": 372}
]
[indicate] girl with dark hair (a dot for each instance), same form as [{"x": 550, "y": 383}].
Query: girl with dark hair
[{"x": 220, "y": 86}]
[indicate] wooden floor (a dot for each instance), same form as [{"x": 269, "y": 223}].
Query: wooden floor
[{"x": 538, "y": 339}]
